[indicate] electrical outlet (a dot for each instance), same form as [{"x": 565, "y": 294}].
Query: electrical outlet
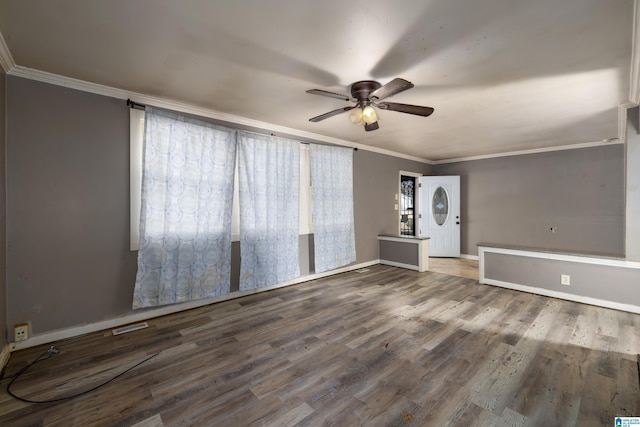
[
  {"x": 21, "y": 332},
  {"x": 565, "y": 279}
]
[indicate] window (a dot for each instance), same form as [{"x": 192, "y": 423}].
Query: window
[
  {"x": 136, "y": 118},
  {"x": 440, "y": 206},
  {"x": 185, "y": 217},
  {"x": 269, "y": 169},
  {"x": 332, "y": 193},
  {"x": 408, "y": 203}
]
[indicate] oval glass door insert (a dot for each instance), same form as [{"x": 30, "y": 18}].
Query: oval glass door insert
[{"x": 440, "y": 206}]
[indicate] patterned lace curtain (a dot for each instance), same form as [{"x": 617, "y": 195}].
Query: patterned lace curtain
[
  {"x": 269, "y": 181},
  {"x": 185, "y": 220},
  {"x": 332, "y": 200}
]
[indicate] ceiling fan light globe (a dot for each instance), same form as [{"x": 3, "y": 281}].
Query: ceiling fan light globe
[
  {"x": 369, "y": 115},
  {"x": 356, "y": 116}
]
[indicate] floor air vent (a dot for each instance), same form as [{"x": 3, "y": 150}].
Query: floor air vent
[{"x": 130, "y": 328}]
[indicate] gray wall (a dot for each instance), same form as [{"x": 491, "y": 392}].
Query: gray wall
[
  {"x": 518, "y": 199},
  {"x": 376, "y": 180},
  {"x": 68, "y": 206},
  {"x": 400, "y": 252},
  {"x": 3, "y": 212}
]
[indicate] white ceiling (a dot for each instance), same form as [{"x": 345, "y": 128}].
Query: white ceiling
[{"x": 502, "y": 75}]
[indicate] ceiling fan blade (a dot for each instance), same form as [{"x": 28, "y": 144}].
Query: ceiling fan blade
[
  {"x": 395, "y": 86},
  {"x": 406, "y": 108},
  {"x": 329, "y": 94},
  {"x": 331, "y": 113}
]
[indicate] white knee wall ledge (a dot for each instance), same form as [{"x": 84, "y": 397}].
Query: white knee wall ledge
[{"x": 596, "y": 280}]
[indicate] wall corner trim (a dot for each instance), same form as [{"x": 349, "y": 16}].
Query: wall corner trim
[
  {"x": 6, "y": 60},
  {"x": 622, "y": 120},
  {"x": 4, "y": 356}
]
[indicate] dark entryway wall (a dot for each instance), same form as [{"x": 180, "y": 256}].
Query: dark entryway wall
[
  {"x": 517, "y": 200},
  {"x": 68, "y": 206}
]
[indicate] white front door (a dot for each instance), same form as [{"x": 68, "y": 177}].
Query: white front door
[{"x": 440, "y": 214}]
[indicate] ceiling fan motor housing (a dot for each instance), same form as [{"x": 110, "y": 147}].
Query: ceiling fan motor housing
[{"x": 361, "y": 90}]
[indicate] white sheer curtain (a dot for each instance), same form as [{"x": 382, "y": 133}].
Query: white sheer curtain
[
  {"x": 332, "y": 199},
  {"x": 185, "y": 220},
  {"x": 268, "y": 169}
]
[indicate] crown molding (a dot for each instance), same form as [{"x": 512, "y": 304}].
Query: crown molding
[
  {"x": 6, "y": 60},
  {"x": 245, "y": 123},
  {"x": 611, "y": 141},
  {"x": 258, "y": 126}
]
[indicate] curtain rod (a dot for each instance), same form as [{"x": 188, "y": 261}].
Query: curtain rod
[
  {"x": 320, "y": 143},
  {"x": 139, "y": 106}
]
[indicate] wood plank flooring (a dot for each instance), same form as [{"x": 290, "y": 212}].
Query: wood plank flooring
[
  {"x": 389, "y": 347},
  {"x": 460, "y": 267}
]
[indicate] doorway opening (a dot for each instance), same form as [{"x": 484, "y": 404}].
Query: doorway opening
[{"x": 407, "y": 204}]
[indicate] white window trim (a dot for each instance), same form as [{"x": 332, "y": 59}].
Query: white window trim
[
  {"x": 235, "y": 210},
  {"x": 136, "y": 135},
  {"x": 306, "y": 211}
]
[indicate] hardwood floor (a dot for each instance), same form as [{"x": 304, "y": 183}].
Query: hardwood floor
[
  {"x": 389, "y": 347},
  {"x": 460, "y": 267}
]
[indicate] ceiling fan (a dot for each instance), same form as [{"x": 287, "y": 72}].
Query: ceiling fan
[{"x": 368, "y": 93}]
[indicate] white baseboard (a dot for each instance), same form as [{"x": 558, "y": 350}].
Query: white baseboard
[
  {"x": 400, "y": 264},
  {"x": 61, "y": 334},
  {"x": 562, "y": 295},
  {"x": 473, "y": 257},
  {"x": 4, "y": 356}
]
